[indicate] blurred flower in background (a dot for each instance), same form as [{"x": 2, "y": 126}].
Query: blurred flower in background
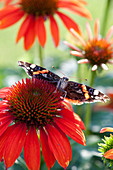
[
  {"x": 33, "y": 106},
  {"x": 6, "y": 2},
  {"x": 97, "y": 51},
  {"x": 109, "y": 105},
  {"x": 106, "y": 148},
  {"x": 35, "y": 13}
]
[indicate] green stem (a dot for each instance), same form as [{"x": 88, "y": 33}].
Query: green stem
[
  {"x": 88, "y": 106},
  {"x": 105, "y": 18},
  {"x": 40, "y": 54}
]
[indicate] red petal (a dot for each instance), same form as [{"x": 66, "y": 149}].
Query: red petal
[
  {"x": 26, "y": 23},
  {"x": 14, "y": 144},
  {"x": 54, "y": 30},
  {"x": 72, "y": 130},
  {"x": 4, "y": 123},
  {"x": 32, "y": 150},
  {"x": 81, "y": 124},
  {"x": 59, "y": 145},
  {"x": 11, "y": 19},
  {"x": 41, "y": 31},
  {"x": 68, "y": 22},
  {"x": 106, "y": 129},
  {"x": 109, "y": 154},
  {"x": 3, "y": 106},
  {"x": 68, "y": 105},
  {"x": 47, "y": 154},
  {"x": 76, "y": 8},
  {"x": 29, "y": 36},
  {"x": 72, "y": 117},
  {"x": 3, "y": 139},
  {"x": 7, "y": 11},
  {"x": 4, "y": 92}
]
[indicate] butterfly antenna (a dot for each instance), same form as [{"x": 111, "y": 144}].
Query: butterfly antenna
[
  {"x": 66, "y": 76},
  {"x": 80, "y": 78},
  {"x": 59, "y": 71}
]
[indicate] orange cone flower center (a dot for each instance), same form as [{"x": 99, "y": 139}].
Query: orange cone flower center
[
  {"x": 39, "y": 7},
  {"x": 34, "y": 102},
  {"x": 98, "y": 51}
]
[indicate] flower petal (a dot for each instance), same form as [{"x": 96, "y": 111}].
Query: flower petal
[
  {"x": 94, "y": 68},
  {"x": 68, "y": 22},
  {"x": 68, "y": 105},
  {"x": 77, "y": 9},
  {"x": 3, "y": 106},
  {"x": 109, "y": 33},
  {"x": 8, "y": 10},
  {"x": 40, "y": 31},
  {"x": 88, "y": 28},
  {"x": 76, "y": 53},
  {"x": 72, "y": 46},
  {"x": 109, "y": 154},
  {"x": 54, "y": 30},
  {"x": 11, "y": 19},
  {"x": 47, "y": 154},
  {"x": 3, "y": 139},
  {"x": 76, "y": 35},
  {"x": 83, "y": 61},
  {"x": 29, "y": 36},
  {"x": 72, "y": 130},
  {"x": 96, "y": 29},
  {"x": 104, "y": 66},
  {"x": 26, "y": 23},
  {"x": 110, "y": 61},
  {"x": 106, "y": 129},
  {"x": 32, "y": 150},
  {"x": 72, "y": 117},
  {"x": 59, "y": 145},
  {"x": 4, "y": 123},
  {"x": 4, "y": 92},
  {"x": 14, "y": 144}
]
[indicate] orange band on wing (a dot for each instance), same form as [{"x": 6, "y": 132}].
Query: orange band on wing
[
  {"x": 74, "y": 101},
  {"x": 85, "y": 91},
  {"x": 42, "y": 72}
]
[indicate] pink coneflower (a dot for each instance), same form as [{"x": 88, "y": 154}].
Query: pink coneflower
[
  {"x": 96, "y": 51},
  {"x": 31, "y": 109},
  {"x": 35, "y": 13}
]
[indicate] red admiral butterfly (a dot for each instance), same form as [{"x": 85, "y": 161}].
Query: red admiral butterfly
[{"x": 72, "y": 91}]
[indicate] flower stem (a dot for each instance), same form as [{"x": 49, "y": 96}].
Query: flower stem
[
  {"x": 105, "y": 18},
  {"x": 40, "y": 54},
  {"x": 88, "y": 107}
]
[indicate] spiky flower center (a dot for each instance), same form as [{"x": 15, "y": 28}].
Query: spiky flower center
[
  {"x": 39, "y": 7},
  {"x": 34, "y": 102},
  {"x": 98, "y": 51}
]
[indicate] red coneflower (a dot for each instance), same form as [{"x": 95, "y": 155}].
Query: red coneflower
[
  {"x": 35, "y": 13},
  {"x": 34, "y": 106},
  {"x": 96, "y": 51}
]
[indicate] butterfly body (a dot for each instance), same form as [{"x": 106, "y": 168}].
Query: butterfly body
[{"x": 72, "y": 91}]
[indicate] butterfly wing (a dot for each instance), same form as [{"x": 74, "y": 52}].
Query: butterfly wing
[
  {"x": 78, "y": 94},
  {"x": 36, "y": 71}
]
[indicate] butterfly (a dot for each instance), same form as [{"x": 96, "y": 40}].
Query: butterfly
[{"x": 74, "y": 92}]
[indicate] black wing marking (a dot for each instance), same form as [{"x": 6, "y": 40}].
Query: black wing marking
[
  {"x": 78, "y": 93},
  {"x": 36, "y": 71}
]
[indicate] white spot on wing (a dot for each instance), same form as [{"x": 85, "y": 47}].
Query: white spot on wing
[
  {"x": 96, "y": 92},
  {"x": 33, "y": 65}
]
